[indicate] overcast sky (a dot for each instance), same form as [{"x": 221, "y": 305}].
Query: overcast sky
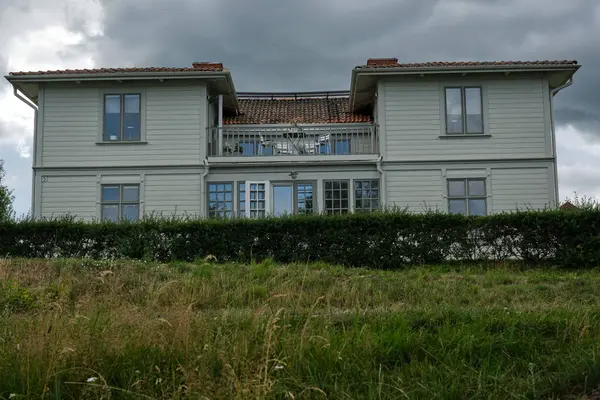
[{"x": 303, "y": 45}]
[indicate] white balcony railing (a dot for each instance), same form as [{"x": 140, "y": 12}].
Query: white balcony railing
[{"x": 292, "y": 140}]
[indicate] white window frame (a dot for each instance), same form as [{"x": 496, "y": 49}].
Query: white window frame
[{"x": 267, "y": 197}]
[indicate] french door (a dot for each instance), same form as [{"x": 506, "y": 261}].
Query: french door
[{"x": 257, "y": 195}]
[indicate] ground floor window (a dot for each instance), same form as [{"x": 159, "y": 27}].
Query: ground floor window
[
  {"x": 337, "y": 196},
  {"x": 305, "y": 198},
  {"x": 366, "y": 195},
  {"x": 220, "y": 200},
  {"x": 120, "y": 202},
  {"x": 467, "y": 196}
]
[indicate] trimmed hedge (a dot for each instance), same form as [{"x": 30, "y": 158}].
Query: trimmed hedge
[{"x": 380, "y": 240}]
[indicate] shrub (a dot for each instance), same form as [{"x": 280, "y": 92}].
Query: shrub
[{"x": 381, "y": 240}]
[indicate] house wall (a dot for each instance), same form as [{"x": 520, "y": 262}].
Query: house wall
[
  {"x": 77, "y": 192},
  {"x": 174, "y": 119},
  {"x": 516, "y": 115},
  {"x": 510, "y": 185},
  {"x": 167, "y": 191}
]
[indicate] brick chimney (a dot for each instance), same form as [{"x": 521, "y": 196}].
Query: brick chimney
[
  {"x": 376, "y": 62},
  {"x": 207, "y": 65}
]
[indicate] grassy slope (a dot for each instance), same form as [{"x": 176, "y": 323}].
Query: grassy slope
[{"x": 262, "y": 331}]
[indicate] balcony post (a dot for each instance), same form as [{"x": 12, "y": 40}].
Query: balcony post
[{"x": 220, "y": 149}]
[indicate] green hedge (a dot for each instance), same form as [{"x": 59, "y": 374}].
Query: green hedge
[{"x": 380, "y": 240}]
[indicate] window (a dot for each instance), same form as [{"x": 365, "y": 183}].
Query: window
[
  {"x": 336, "y": 197},
  {"x": 248, "y": 148},
  {"x": 122, "y": 118},
  {"x": 342, "y": 146},
  {"x": 467, "y": 196},
  {"x": 464, "y": 110},
  {"x": 120, "y": 202},
  {"x": 220, "y": 200},
  {"x": 304, "y": 198},
  {"x": 242, "y": 199},
  {"x": 257, "y": 199},
  {"x": 366, "y": 195}
]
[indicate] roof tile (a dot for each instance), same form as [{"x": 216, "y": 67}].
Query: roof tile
[
  {"x": 393, "y": 63},
  {"x": 204, "y": 66},
  {"x": 320, "y": 110}
]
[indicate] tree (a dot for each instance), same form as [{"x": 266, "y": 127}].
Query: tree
[{"x": 6, "y": 197}]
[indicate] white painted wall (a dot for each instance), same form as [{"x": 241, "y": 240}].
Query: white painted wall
[
  {"x": 509, "y": 186},
  {"x": 172, "y": 194},
  {"x": 174, "y": 118},
  {"x": 516, "y": 115},
  {"x": 74, "y": 195}
]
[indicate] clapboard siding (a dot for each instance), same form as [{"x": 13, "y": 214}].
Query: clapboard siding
[
  {"x": 172, "y": 195},
  {"x": 514, "y": 113},
  {"x": 73, "y": 195},
  {"x": 520, "y": 188},
  {"x": 417, "y": 190},
  {"x": 175, "y": 127}
]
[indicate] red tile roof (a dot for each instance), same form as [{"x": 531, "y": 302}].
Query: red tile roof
[
  {"x": 199, "y": 66},
  {"x": 320, "y": 110},
  {"x": 393, "y": 63}
]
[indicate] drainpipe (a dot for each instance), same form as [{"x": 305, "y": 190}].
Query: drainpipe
[
  {"x": 552, "y": 94},
  {"x": 203, "y": 186},
  {"x": 382, "y": 186},
  {"x": 35, "y": 133}
]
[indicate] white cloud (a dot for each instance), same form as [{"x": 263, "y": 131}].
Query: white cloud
[{"x": 39, "y": 35}]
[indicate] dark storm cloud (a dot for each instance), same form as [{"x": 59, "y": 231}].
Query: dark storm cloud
[{"x": 312, "y": 45}]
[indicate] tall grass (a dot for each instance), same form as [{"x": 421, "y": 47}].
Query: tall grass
[{"x": 90, "y": 329}]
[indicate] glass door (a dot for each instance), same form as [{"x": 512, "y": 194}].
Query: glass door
[
  {"x": 283, "y": 199},
  {"x": 257, "y": 199}
]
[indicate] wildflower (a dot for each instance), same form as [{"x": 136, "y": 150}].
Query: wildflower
[{"x": 92, "y": 379}]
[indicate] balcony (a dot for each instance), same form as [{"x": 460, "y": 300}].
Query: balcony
[{"x": 350, "y": 140}]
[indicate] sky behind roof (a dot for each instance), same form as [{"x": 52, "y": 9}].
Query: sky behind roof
[{"x": 272, "y": 45}]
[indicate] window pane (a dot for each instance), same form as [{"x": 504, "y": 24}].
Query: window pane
[
  {"x": 474, "y": 115},
  {"x": 457, "y": 206},
  {"x": 130, "y": 212},
  {"x": 477, "y": 207},
  {"x": 110, "y": 193},
  {"x": 342, "y": 146},
  {"x": 131, "y": 193},
  {"x": 112, "y": 117},
  {"x": 476, "y": 187},
  {"x": 454, "y": 110},
  {"x": 282, "y": 200},
  {"x": 110, "y": 213},
  {"x": 131, "y": 117},
  {"x": 247, "y": 148},
  {"x": 456, "y": 188}
]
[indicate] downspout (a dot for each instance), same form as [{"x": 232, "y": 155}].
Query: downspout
[
  {"x": 382, "y": 175},
  {"x": 552, "y": 94},
  {"x": 35, "y": 133},
  {"x": 203, "y": 187}
]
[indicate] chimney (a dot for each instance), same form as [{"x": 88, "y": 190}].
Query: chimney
[
  {"x": 207, "y": 65},
  {"x": 377, "y": 62}
]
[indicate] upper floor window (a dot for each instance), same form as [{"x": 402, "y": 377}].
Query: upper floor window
[
  {"x": 122, "y": 118},
  {"x": 467, "y": 196},
  {"x": 464, "y": 113},
  {"x": 120, "y": 202}
]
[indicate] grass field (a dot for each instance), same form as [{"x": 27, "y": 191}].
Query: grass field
[{"x": 89, "y": 329}]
